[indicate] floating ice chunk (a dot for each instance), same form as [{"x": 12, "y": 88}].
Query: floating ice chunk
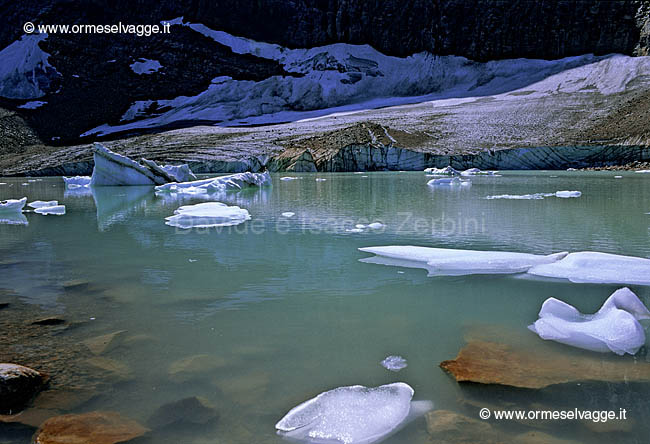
[
  {"x": 12, "y": 205},
  {"x": 478, "y": 172},
  {"x": 351, "y": 415},
  {"x": 598, "y": 268},
  {"x": 112, "y": 169},
  {"x": 3, "y": 183},
  {"x": 451, "y": 262},
  {"x": 642, "y": 171},
  {"x": 354, "y": 230},
  {"x": 618, "y": 177},
  {"x": 360, "y": 226},
  {"x": 288, "y": 214},
  {"x": 376, "y": 225},
  {"x": 233, "y": 182},
  {"x": 446, "y": 171},
  {"x": 58, "y": 210},
  {"x": 319, "y": 179},
  {"x": 394, "y": 363},
  {"x": 287, "y": 178},
  {"x": 448, "y": 181},
  {"x": 208, "y": 214},
  {"x": 536, "y": 196},
  {"x": 76, "y": 181},
  {"x": 42, "y": 203},
  {"x": 567, "y": 194},
  {"x": 614, "y": 328}
]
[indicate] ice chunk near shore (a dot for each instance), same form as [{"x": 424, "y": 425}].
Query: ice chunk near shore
[
  {"x": 394, "y": 363},
  {"x": 597, "y": 268},
  {"x": 207, "y": 215},
  {"x": 112, "y": 169},
  {"x": 452, "y": 262},
  {"x": 12, "y": 205},
  {"x": 446, "y": 171},
  {"x": 567, "y": 194},
  {"x": 233, "y": 182},
  {"x": 614, "y": 328},
  {"x": 42, "y": 203},
  {"x": 76, "y": 182},
  {"x": 352, "y": 415},
  {"x": 57, "y": 210}
]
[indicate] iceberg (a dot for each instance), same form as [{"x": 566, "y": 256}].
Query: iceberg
[
  {"x": 112, "y": 169},
  {"x": 567, "y": 194},
  {"x": 597, "y": 268},
  {"x": 352, "y": 415},
  {"x": 42, "y": 203},
  {"x": 76, "y": 182},
  {"x": 12, "y": 205},
  {"x": 207, "y": 215},
  {"x": 451, "y": 262},
  {"x": 446, "y": 171},
  {"x": 58, "y": 210},
  {"x": 233, "y": 182},
  {"x": 394, "y": 363},
  {"x": 448, "y": 181},
  {"x": 478, "y": 172},
  {"x": 614, "y": 328}
]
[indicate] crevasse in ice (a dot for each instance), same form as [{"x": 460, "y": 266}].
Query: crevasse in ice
[{"x": 614, "y": 328}]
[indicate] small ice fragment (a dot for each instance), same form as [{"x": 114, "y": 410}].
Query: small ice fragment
[
  {"x": 3, "y": 183},
  {"x": 446, "y": 171},
  {"x": 354, "y": 230},
  {"x": 618, "y": 177},
  {"x": 192, "y": 260},
  {"x": 206, "y": 215},
  {"x": 287, "y": 178},
  {"x": 394, "y": 363},
  {"x": 364, "y": 176},
  {"x": 376, "y": 225},
  {"x": 288, "y": 214},
  {"x": 643, "y": 171},
  {"x": 31, "y": 180},
  {"x": 42, "y": 203},
  {"x": 320, "y": 180},
  {"x": 350, "y": 415},
  {"x": 448, "y": 181},
  {"x": 360, "y": 226},
  {"x": 24, "y": 184},
  {"x": 57, "y": 210},
  {"x": 400, "y": 272},
  {"x": 567, "y": 194},
  {"x": 536, "y": 196},
  {"x": 614, "y": 328},
  {"x": 12, "y": 205}
]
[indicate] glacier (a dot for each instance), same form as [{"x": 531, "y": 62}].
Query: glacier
[
  {"x": 207, "y": 215},
  {"x": 614, "y": 328},
  {"x": 452, "y": 262},
  {"x": 340, "y": 78},
  {"x": 352, "y": 415},
  {"x": 232, "y": 182}
]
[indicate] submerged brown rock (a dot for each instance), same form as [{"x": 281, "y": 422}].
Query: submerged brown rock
[
  {"x": 188, "y": 411},
  {"x": 487, "y": 362},
  {"x": 93, "y": 427}
]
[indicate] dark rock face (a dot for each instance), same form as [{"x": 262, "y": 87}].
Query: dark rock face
[{"x": 18, "y": 385}]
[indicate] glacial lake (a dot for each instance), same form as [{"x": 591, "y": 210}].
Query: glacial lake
[{"x": 282, "y": 309}]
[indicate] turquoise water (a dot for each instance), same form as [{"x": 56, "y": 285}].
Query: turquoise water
[{"x": 285, "y": 309}]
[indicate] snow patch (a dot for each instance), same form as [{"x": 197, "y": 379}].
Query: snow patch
[
  {"x": 145, "y": 66},
  {"x": 32, "y": 105}
]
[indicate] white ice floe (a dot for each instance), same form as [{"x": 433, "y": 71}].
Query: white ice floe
[
  {"x": 352, "y": 415},
  {"x": 112, "y": 169},
  {"x": 42, "y": 203},
  {"x": 478, "y": 172},
  {"x": 232, "y": 182},
  {"x": 614, "y": 328},
  {"x": 288, "y": 178},
  {"x": 320, "y": 180},
  {"x": 376, "y": 225},
  {"x": 451, "y": 262},
  {"x": 567, "y": 194},
  {"x": 206, "y": 215},
  {"x": 145, "y": 66},
  {"x": 354, "y": 230},
  {"x": 288, "y": 214},
  {"x": 597, "y": 268},
  {"x": 76, "y": 182},
  {"x": 643, "y": 171},
  {"x": 618, "y": 177},
  {"x": 12, "y": 205},
  {"x": 394, "y": 363},
  {"x": 536, "y": 196},
  {"x": 446, "y": 171},
  {"x": 57, "y": 210},
  {"x": 448, "y": 182}
]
